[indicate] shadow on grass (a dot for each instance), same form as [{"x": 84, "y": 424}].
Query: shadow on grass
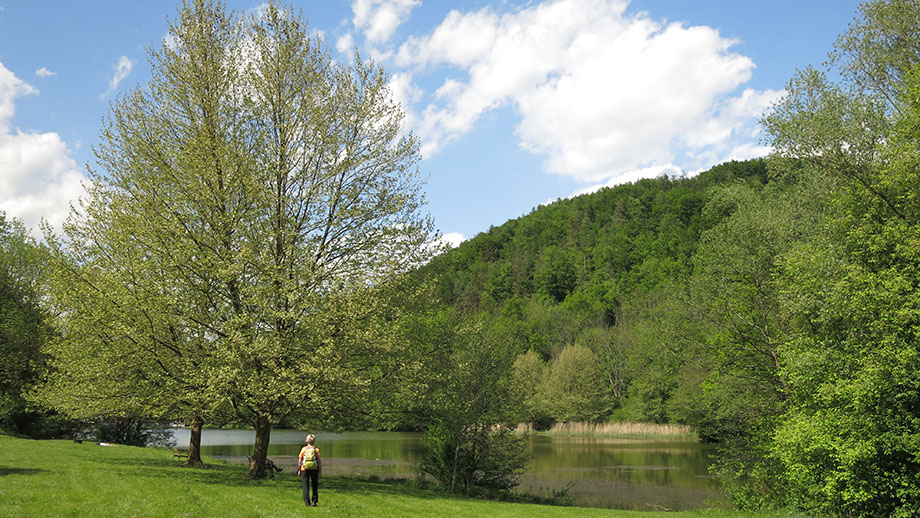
[
  {"x": 222, "y": 474},
  {"x": 394, "y": 486},
  {"x": 231, "y": 475},
  {"x": 4, "y": 470}
]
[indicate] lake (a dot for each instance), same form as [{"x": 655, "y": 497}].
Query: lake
[{"x": 598, "y": 472}]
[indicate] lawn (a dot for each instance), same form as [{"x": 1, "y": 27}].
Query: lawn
[{"x": 63, "y": 479}]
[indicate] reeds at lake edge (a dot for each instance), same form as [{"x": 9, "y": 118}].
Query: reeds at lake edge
[{"x": 625, "y": 430}]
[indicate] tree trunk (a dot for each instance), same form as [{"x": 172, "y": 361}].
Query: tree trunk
[
  {"x": 194, "y": 442},
  {"x": 453, "y": 475},
  {"x": 260, "y": 450}
]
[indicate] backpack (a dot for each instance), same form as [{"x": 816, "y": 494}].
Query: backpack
[{"x": 309, "y": 458}]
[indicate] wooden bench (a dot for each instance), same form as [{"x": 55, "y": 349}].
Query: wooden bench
[{"x": 180, "y": 454}]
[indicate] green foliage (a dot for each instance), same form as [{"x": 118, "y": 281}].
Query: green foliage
[
  {"x": 561, "y": 275},
  {"x": 879, "y": 50},
  {"x": 735, "y": 291},
  {"x": 468, "y": 442},
  {"x": 656, "y": 336},
  {"x": 252, "y": 200},
  {"x": 575, "y": 388},
  {"x": 24, "y": 329},
  {"x": 527, "y": 382},
  {"x": 555, "y": 274},
  {"x": 848, "y": 443}
]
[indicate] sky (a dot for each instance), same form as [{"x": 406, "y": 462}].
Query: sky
[{"x": 515, "y": 103}]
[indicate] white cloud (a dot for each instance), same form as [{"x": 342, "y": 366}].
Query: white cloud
[
  {"x": 44, "y": 72},
  {"x": 259, "y": 10},
  {"x": 599, "y": 92},
  {"x": 451, "y": 239},
  {"x": 11, "y": 87},
  {"x": 460, "y": 40},
  {"x": 733, "y": 116},
  {"x": 378, "y": 19},
  {"x": 122, "y": 70},
  {"x": 404, "y": 92},
  {"x": 669, "y": 170},
  {"x": 171, "y": 42},
  {"x": 38, "y": 177},
  {"x": 345, "y": 44}
]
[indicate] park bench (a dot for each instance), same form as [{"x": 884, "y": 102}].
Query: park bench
[{"x": 180, "y": 454}]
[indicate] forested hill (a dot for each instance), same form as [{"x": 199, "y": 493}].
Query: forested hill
[{"x": 568, "y": 266}]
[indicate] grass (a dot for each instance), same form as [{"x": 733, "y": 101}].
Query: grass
[
  {"x": 63, "y": 479},
  {"x": 620, "y": 430}
]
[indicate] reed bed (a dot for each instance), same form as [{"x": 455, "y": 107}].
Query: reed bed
[{"x": 624, "y": 430}]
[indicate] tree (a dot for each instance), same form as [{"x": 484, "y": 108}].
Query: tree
[
  {"x": 251, "y": 202},
  {"x": 575, "y": 388},
  {"x": 555, "y": 277},
  {"x": 23, "y": 328},
  {"x": 469, "y": 442},
  {"x": 527, "y": 376},
  {"x": 736, "y": 289},
  {"x": 848, "y": 444}
]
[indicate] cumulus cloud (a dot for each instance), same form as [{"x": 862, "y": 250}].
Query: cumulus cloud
[
  {"x": 44, "y": 72},
  {"x": 345, "y": 44},
  {"x": 451, "y": 239},
  {"x": 378, "y": 19},
  {"x": 404, "y": 92},
  {"x": 171, "y": 41},
  {"x": 259, "y": 10},
  {"x": 11, "y": 87},
  {"x": 122, "y": 70},
  {"x": 38, "y": 177},
  {"x": 600, "y": 93}
]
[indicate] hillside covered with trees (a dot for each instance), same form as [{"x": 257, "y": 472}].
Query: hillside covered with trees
[{"x": 566, "y": 281}]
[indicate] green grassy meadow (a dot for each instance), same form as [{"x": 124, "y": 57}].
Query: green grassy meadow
[{"x": 63, "y": 479}]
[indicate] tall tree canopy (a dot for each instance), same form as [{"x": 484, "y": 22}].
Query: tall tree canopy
[
  {"x": 248, "y": 203},
  {"x": 849, "y": 442},
  {"x": 23, "y": 326}
]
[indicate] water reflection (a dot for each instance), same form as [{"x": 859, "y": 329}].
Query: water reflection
[
  {"x": 624, "y": 474},
  {"x": 385, "y": 454},
  {"x": 597, "y": 472}
]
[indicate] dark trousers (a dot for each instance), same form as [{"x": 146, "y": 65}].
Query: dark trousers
[{"x": 310, "y": 478}]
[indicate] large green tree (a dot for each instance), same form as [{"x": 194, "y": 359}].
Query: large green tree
[
  {"x": 575, "y": 388},
  {"x": 23, "y": 326},
  {"x": 849, "y": 444},
  {"x": 737, "y": 292},
  {"x": 249, "y": 203}
]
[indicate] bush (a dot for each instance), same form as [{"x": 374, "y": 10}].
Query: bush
[
  {"x": 475, "y": 456},
  {"x": 468, "y": 444}
]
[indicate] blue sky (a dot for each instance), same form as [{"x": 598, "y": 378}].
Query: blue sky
[{"x": 516, "y": 103}]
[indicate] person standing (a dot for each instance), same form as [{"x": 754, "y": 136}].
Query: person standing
[{"x": 310, "y": 470}]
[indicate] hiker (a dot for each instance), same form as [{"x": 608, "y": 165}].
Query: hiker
[{"x": 310, "y": 470}]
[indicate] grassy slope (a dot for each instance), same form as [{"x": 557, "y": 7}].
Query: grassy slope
[{"x": 61, "y": 479}]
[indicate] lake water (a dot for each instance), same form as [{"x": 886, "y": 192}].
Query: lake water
[{"x": 598, "y": 472}]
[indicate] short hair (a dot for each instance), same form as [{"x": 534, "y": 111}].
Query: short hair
[{"x": 311, "y": 438}]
